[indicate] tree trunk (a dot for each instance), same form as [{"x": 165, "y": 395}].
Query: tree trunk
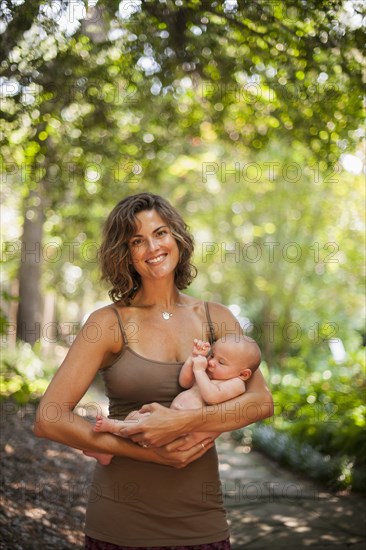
[{"x": 29, "y": 318}]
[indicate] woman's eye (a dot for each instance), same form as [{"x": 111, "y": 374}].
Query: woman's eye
[
  {"x": 136, "y": 242},
  {"x": 159, "y": 234}
]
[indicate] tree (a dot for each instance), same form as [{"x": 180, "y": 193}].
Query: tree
[{"x": 106, "y": 108}]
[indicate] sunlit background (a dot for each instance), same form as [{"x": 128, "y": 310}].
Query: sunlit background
[{"x": 248, "y": 118}]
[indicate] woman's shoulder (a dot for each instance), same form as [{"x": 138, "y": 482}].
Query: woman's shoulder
[
  {"x": 101, "y": 325},
  {"x": 218, "y": 313},
  {"x": 223, "y": 319},
  {"x": 217, "y": 309},
  {"x": 119, "y": 313},
  {"x": 104, "y": 315},
  {"x": 107, "y": 309}
]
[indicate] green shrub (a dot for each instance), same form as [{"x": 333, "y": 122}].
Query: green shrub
[
  {"x": 319, "y": 421},
  {"x": 24, "y": 376}
]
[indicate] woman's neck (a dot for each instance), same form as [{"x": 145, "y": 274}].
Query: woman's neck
[{"x": 158, "y": 293}]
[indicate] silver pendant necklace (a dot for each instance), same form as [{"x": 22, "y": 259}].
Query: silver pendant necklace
[{"x": 166, "y": 315}]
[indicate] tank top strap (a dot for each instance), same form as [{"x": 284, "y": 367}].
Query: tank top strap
[
  {"x": 210, "y": 324},
  {"x": 124, "y": 336}
]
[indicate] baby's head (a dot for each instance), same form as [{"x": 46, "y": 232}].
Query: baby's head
[{"x": 233, "y": 356}]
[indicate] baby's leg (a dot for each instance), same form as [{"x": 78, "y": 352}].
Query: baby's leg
[
  {"x": 102, "y": 458},
  {"x": 114, "y": 426},
  {"x": 188, "y": 399},
  {"x": 191, "y": 399}
]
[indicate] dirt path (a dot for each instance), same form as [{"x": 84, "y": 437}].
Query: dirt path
[
  {"x": 44, "y": 489},
  {"x": 272, "y": 507}
]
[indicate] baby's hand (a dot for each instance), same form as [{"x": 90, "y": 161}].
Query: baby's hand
[
  {"x": 200, "y": 347},
  {"x": 199, "y": 363}
]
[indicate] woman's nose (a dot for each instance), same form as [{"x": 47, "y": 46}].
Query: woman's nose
[{"x": 152, "y": 244}]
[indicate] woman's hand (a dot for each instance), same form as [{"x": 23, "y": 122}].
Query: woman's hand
[
  {"x": 179, "y": 459},
  {"x": 159, "y": 428},
  {"x": 165, "y": 425},
  {"x": 190, "y": 440}
]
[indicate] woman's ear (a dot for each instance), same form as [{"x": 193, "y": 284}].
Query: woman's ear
[{"x": 245, "y": 374}]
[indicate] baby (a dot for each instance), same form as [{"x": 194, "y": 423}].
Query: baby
[{"x": 209, "y": 380}]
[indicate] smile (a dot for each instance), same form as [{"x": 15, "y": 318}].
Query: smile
[{"x": 156, "y": 260}]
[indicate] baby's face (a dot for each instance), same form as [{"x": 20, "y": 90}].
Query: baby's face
[{"x": 226, "y": 360}]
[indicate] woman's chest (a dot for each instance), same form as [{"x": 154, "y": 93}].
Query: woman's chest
[
  {"x": 167, "y": 340},
  {"x": 136, "y": 379}
]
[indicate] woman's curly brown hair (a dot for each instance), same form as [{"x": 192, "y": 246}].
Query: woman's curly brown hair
[{"x": 114, "y": 253}]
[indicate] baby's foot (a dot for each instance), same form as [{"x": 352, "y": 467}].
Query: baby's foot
[
  {"x": 102, "y": 458},
  {"x": 103, "y": 424},
  {"x": 200, "y": 347}
]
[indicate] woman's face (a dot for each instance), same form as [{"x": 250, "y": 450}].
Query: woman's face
[{"x": 154, "y": 250}]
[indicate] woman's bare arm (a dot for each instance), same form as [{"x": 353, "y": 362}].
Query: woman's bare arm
[
  {"x": 164, "y": 425},
  {"x": 55, "y": 418}
]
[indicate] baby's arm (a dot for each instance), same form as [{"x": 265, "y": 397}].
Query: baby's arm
[
  {"x": 213, "y": 392},
  {"x": 186, "y": 376}
]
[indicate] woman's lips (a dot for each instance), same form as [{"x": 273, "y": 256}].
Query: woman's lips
[{"x": 156, "y": 260}]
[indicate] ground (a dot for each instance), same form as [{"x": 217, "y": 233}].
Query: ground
[
  {"x": 44, "y": 487},
  {"x": 44, "y": 490}
]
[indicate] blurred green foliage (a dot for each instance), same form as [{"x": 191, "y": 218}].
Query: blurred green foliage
[
  {"x": 242, "y": 115},
  {"x": 319, "y": 421},
  {"x": 24, "y": 376}
]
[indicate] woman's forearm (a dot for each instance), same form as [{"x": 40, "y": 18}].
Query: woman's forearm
[
  {"x": 230, "y": 415},
  {"x": 164, "y": 425},
  {"x": 73, "y": 431},
  {"x": 76, "y": 432}
]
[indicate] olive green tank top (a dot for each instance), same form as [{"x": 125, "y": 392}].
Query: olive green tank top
[{"x": 142, "y": 504}]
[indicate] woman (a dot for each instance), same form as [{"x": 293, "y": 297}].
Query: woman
[{"x": 151, "y": 495}]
